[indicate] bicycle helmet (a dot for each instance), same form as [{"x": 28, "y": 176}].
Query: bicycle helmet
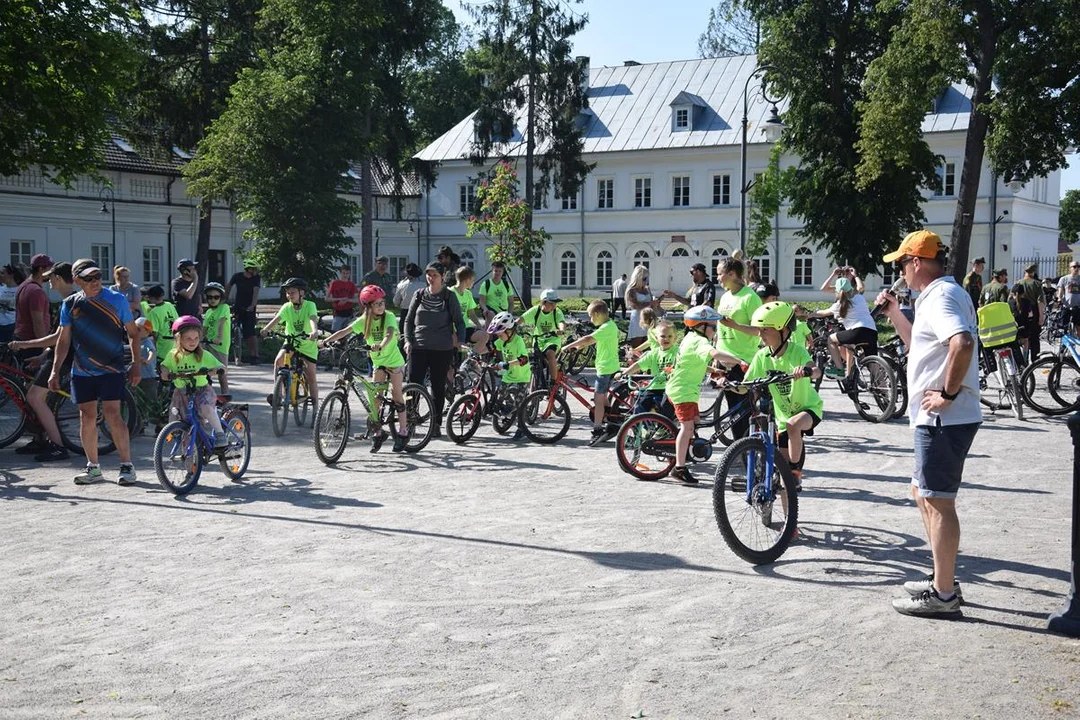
[
  {"x": 251, "y": 262},
  {"x": 186, "y": 262},
  {"x": 186, "y": 321},
  {"x": 371, "y": 293},
  {"x": 776, "y": 315},
  {"x": 701, "y": 315},
  {"x": 843, "y": 285},
  {"x": 295, "y": 282},
  {"x": 500, "y": 323},
  {"x": 214, "y": 286},
  {"x": 550, "y": 296}
]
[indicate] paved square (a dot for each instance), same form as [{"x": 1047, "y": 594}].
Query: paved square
[{"x": 502, "y": 580}]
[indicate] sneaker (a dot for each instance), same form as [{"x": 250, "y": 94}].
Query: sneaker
[
  {"x": 928, "y": 604},
  {"x": 918, "y": 587},
  {"x": 597, "y": 433},
  {"x": 609, "y": 431},
  {"x": 400, "y": 441},
  {"x": 377, "y": 441},
  {"x": 32, "y": 448},
  {"x": 127, "y": 474},
  {"x": 91, "y": 474},
  {"x": 55, "y": 452},
  {"x": 682, "y": 474},
  {"x": 270, "y": 399},
  {"x": 835, "y": 373}
]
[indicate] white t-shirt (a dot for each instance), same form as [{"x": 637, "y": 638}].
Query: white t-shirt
[
  {"x": 1071, "y": 286},
  {"x": 7, "y": 305},
  {"x": 943, "y": 310},
  {"x": 858, "y": 315}
]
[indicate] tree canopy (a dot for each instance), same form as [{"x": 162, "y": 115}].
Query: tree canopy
[
  {"x": 731, "y": 30},
  {"x": 1069, "y": 219}
]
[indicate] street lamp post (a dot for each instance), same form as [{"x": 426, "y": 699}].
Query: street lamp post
[
  {"x": 414, "y": 218},
  {"x": 111, "y": 199},
  {"x": 774, "y": 126}
]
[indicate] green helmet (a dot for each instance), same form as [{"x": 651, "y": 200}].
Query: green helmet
[{"x": 776, "y": 315}]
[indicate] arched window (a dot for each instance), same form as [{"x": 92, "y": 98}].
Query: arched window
[
  {"x": 717, "y": 255},
  {"x": 467, "y": 258},
  {"x": 764, "y": 266},
  {"x": 680, "y": 252},
  {"x": 641, "y": 257},
  {"x": 568, "y": 269},
  {"x": 804, "y": 268},
  {"x": 535, "y": 278},
  {"x": 604, "y": 269}
]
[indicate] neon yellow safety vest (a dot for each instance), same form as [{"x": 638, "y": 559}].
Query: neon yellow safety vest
[{"x": 997, "y": 326}]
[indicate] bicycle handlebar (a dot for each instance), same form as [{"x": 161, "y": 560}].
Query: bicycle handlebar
[{"x": 772, "y": 378}]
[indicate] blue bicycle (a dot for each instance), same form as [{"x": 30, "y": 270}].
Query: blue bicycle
[
  {"x": 1051, "y": 384},
  {"x": 183, "y": 447},
  {"x": 754, "y": 497}
]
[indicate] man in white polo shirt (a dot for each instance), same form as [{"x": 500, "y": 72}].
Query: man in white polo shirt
[{"x": 943, "y": 384}]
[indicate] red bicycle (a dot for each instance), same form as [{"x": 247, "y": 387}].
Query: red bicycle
[{"x": 545, "y": 414}]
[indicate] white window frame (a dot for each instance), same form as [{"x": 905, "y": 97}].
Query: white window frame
[
  {"x": 680, "y": 190},
  {"x": 721, "y": 189},
  {"x": 396, "y": 266},
  {"x": 764, "y": 266},
  {"x": 466, "y": 197},
  {"x": 643, "y": 191},
  {"x": 21, "y": 252},
  {"x": 682, "y": 118},
  {"x": 567, "y": 203},
  {"x": 151, "y": 265},
  {"x": 536, "y": 275},
  {"x": 642, "y": 257},
  {"x": 946, "y": 173},
  {"x": 568, "y": 269},
  {"x": 605, "y": 268},
  {"x": 468, "y": 259},
  {"x": 605, "y": 193},
  {"x": 803, "y": 268},
  {"x": 889, "y": 275},
  {"x": 680, "y": 252},
  {"x": 98, "y": 251},
  {"x": 355, "y": 267}
]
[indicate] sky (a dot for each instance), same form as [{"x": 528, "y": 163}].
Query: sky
[{"x": 647, "y": 31}]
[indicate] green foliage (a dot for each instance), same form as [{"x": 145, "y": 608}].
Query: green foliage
[
  {"x": 731, "y": 30},
  {"x": 817, "y": 54},
  {"x": 61, "y": 67},
  {"x": 502, "y": 216},
  {"x": 767, "y": 194},
  {"x": 1069, "y": 219}
]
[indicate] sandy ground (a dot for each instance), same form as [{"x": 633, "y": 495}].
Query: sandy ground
[{"x": 504, "y": 581}]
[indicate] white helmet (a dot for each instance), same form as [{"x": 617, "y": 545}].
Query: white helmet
[
  {"x": 701, "y": 315},
  {"x": 500, "y": 323},
  {"x": 550, "y": 296}
]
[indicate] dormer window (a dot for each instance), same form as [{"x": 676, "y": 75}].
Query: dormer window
[
  {"x": 682, "y": 118},
  {"x": 687, "y": 111}
]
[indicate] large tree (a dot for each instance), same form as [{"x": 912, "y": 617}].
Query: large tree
[
  {"x": 730, "y": 30},
  {"x": 1021, "y": 61},
  {"x": 1069, "y": 219},
  {"x": 328, "y": 92},
  {"x": 61, "y": 67},
  {"x": 815, "y": 53},
  {"x": 525, "y": 57}
]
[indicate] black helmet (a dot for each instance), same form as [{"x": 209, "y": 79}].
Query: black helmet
[{"x": 295, "y": 282}]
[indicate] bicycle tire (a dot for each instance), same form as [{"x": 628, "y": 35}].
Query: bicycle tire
[
  {"x": 12, "y": 417},
  {"x": 1016, "y": 397},
  {"x": 1064, "y": 385},
  {"x": 1035, "y": 386},
  {"x": 331, "y": 432},
  {"x": 66, "y": 414},
  {"x": 175, "y": 453},
  {"x": 879, "y": 381},
  {"x": 303, "y": 402},
  {"x": 463, "y": 418},
  {"x": 279, "y": 404},
  {"x": 544, "y": 416},
  {"x": 736, "y": 514},
  {"x": 419, "y": 416},
  {"x": 236, "y": 456},
  {"x": 633, "y": 442}
]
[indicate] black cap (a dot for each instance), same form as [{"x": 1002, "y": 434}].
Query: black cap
[
  {"x": 979, "y": 261},
  {"x": 413, "y": 270},
  {"x": 83, "y": 267},
  {"x": 155, "y": 291},
  {"x": 63, "y": 269},
  {"x": 700, "y": 267},
  {"x": 445, "y": 250}
]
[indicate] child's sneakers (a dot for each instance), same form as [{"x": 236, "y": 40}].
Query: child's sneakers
[
  {"x": 682, "y": 474},
  {"x": 377, "y": 441},
  {"x": 400, "y": 441}
]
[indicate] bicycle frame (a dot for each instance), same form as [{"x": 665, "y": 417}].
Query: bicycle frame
[
  {"x": 761, "y": 408},
  {"x": 207, "y": 441},
  {"x": 571, "y": 385}
]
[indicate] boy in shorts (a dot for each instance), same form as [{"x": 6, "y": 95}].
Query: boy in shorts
[{"x": 606, "y": 339}]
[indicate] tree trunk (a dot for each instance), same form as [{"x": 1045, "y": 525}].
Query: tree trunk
[
  {"x": 206, "y": 206},
  {"x": 975, "y": 142},
  {"x": 202, "y": 244},
  {"x": 530, "y": 149}
]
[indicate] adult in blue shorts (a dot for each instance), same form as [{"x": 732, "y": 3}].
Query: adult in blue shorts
[{"x": 92, "y": 326}]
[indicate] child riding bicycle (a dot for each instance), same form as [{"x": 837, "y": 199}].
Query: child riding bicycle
[
  {"x": 218, "y": 321},
  {"x": 548, "y": 324},
  {"x": 606, "y": 339},
  {"x": 515, "y": 357},
  {"x": 186, "y": 358},
  {"x": 301, "y": 318}
]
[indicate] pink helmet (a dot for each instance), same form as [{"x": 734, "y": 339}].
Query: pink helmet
[
  {"x": 186, "y": 321},
  {"x": 371, "y": 293}
]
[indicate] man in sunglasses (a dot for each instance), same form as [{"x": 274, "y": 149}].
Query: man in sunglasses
[
  {"x": 702, "y": 292},
  {"x": 92, "y": 325}
]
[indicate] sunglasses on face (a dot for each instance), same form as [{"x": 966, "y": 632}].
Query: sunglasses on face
[{"x": 92, "y": 278}]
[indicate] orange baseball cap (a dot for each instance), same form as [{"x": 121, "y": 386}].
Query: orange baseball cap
[{"x": 921, "y": 243}]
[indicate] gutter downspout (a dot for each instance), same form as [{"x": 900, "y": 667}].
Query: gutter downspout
[
  {"x": 584, "y": 263},
  {"x": 993, "y": 219},
  {"x": 427, "y": 227}
]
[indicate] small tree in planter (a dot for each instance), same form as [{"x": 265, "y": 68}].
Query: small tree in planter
[{"x": 502, "y": 215}]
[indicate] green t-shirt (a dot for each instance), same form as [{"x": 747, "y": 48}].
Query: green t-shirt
[
  {"x": 653, "y": 338},
  {"x": 188, "y": 363},
  {"x": 739, "y": 307},
  {"x": 513, "y": 350},
  {"x": 788, "y": 398},
  {"x": 800, "y": 334},
  {"x": 296, "y": 323},
  {"x": 144, "y": 308},
  {"x": 543, "y": 323},
  {"x": 390, "y": 356},
  {"x": 218, "y": 320},
  {"x": 607, "y": 348},
  {"x": 684, "y": 382},
  {"x": 162, "y": 316},
  {"x": 468, "y": 303},
  {"x": 496, "y": 294},
  {"x": 659, "y": 363}
]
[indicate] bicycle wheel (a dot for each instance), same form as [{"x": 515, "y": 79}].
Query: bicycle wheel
[
  {"x": 645, "y": 446},
  {"x": 235, "y": 457},
  {"x": 463, "y": 418},
  {"x": 875, "y": 396},
  {"x": 177, "y": 458},
  {"x": 1035, "y": 386},
  {"x": 331, "y": 432},
  {"x": 12, "y": 417},
  {"x": 420, "y": 416},
  {"x": 545, "y": 417},
  {"x": 1015, "y": 396},
  {"x": 302, "y": 402},
  {"x": 66, "y": 414},
  {"x": 757, "y": 519},
  {"x": 1064, "y": 385},
  {"x": 280, "y": 403}
]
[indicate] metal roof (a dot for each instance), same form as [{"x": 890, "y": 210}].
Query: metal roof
[{"x": 631, "y": 110}]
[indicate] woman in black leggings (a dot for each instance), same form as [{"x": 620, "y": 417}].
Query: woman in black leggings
[{"x": 432, "y": 325}]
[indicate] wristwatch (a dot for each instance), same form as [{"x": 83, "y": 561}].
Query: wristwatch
[{"x": 949, "y": 396}]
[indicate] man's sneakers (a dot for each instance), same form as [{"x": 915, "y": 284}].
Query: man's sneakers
[
  {"x": 53, "y": 453},
  {"x": 91, "y": 474},
  {"x": 594, "y": 437},
  {"x": 682, "y": 474},
  {"x": 602, "y": 433},
  {"x": 918, "y": 587},
  {"x": 127, "y": 474},
  {"x": 928, "y": 604},
  {"x": 835, "y": 373},
  {"x": 32, "y": 448}
]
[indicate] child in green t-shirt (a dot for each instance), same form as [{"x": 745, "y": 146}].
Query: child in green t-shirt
[
  {"x": 300, "y": 317},
  {"x": 797, "y": 405},
  {"x": 218, "y": 322},
  {"x": 548, "y": 324},
  {"x": 162, "y": 313},
  {"x": 470, "y": 311},
  {"x": 517, "y": 372},
  {"x": 606, "y": 339},
  {"x": 658, "y": 362},
  {"x": 185, "y": 358}
]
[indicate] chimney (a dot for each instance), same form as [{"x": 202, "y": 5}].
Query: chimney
[
  {"x": 630, "y": 63},
  {"x": 583, "y": 73}
]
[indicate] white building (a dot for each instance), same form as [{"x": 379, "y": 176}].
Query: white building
[
  {"x": 666, "y": 142},
  {"x": 157, "y": 223}
]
